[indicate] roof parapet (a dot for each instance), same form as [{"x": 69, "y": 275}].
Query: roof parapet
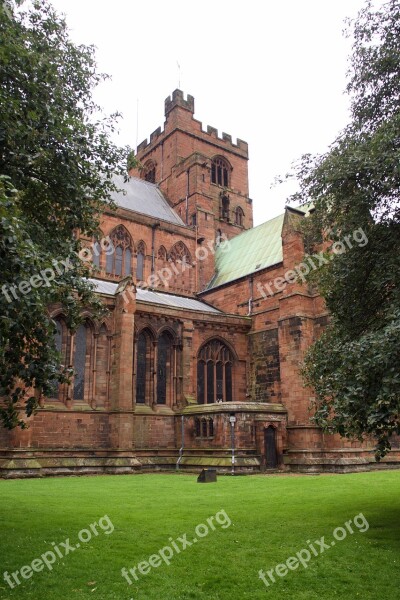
[{"x": 178, "y": 100}]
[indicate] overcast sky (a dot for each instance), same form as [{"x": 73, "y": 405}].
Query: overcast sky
[{"x": 271, "y": 73}]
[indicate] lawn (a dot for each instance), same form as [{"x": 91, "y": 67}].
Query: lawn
[{"x": 259, "y": 522}]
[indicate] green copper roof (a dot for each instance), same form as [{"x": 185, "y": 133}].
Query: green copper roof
[{"x": 251, "y": 251}]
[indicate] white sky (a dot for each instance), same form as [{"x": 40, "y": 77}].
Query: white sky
[{"x": 271, "y": 73}]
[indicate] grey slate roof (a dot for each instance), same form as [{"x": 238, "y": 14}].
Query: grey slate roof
[
  {"x": 104, "y": 287},
  {"x": 142, "y": 295},
  {"x": 144, "y": 197}
]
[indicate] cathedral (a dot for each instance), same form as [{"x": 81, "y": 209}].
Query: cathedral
[{"x": 197, "y": 362}]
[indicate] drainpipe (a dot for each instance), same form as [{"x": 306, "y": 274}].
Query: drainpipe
[
  {"x": 232, "y": 420},
  {"x": 187, "y": 197},
  {"x": 182, "y": 442},
  {"x": 199, "y": 264},
  {"x": 153, "y": 237},
  {"x": 251, "y": 281}
]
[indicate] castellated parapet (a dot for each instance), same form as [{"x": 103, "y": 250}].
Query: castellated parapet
[
  {"x": 178, "y": 103},
  {"x": 179, "y": 100}
]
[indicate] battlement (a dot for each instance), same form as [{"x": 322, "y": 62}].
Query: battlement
[
  {"x": 179, "y": 100},
  {"x": 226, "y": 137},
  {"x": 209, "y": 134}
]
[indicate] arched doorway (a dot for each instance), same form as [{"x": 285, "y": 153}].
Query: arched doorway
[{"x": 271, "y": 455}]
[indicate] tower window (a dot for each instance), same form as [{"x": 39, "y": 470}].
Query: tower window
[
  {"x": 149, "y": 171},
  {"x": 239, "y": 214},
  {"x": 220, "y": 172}
]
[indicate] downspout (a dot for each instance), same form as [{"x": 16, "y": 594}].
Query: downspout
[
  {"x": 153, "y": 237},
  {"x": 182, "y": 442},
  {"x": 94, "y": 370},
  {"x": 187, "y": 196},
  {"x": 232, "y": 420},
  {"x": 251, "y": 290},
  {"x": 196, "y": 275}
]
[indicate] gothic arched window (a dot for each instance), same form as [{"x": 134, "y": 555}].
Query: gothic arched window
[
  {"x": 162, "y": 257},
  {"x": 119, "y": 261},
  {"x": 180, "y": 253},
  {"x": 162, "y": 254},
  {"x": 80, "y": 362},
  {"x": 181, "y": 270},
  {"x": 140, "y": 256},
  {"x": 96, "y": 253},
  {"x": 141, "y": 369},
  {"x": 239, "y": 214},
  {"x": 220, "y": 170},
  {"x": 144, "y": 369},
  {"x": 214, "y": 373},
  {"x": 164, "y": 366},
  {"x": 88, "y": 353},
  {"x": 102, "y": 366},
  {"x": 149, "y": 171},
  {"x": 58, "y": 342}
]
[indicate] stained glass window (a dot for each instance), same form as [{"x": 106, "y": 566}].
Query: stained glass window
[
  {"x": 80, "y": 362},
  {"x": 214, "y": 373},
  {"x": 164, "y": 361},
  {"x": 220, "y": 172},
  {"x": 141, "y": 369},
  {"x": 58, "y": 344},
  {"x": 119, "y": 261}
]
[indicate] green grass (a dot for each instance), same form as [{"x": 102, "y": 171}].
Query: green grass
[{"x": 272, "y": 519}]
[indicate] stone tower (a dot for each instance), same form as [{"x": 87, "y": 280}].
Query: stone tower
[{"x": 203, "y": 176}]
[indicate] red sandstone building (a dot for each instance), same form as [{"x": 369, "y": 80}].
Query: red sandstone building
[{"x": 197, "y": 363}]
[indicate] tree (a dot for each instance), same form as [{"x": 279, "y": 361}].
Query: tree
[
  {"x": 354, "y": 366},
  {"x": 57, "y": 162}
]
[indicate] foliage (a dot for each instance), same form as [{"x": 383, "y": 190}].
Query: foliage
[
  {"x": 354, "y": 366},
  {"x": 57, "y": 162}
]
